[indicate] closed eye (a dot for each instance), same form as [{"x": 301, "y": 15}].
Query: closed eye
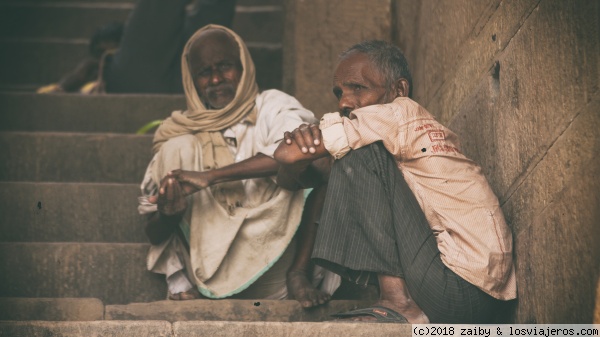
[
  {"x": 357, "y": 87},
  {"x": 225, "y": 66},
  {"x": 204, "y": 72}
]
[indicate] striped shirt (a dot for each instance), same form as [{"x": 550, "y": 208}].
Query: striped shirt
[{"x": 461, "y": 208}]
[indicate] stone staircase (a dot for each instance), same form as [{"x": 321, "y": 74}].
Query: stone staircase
[
  {"x": 40, "y": 40},
  {"x": 72, "y": 248}
]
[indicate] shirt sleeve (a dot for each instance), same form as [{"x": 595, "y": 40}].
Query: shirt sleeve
[
  {"x": 365, "y": 126},
  {"x": 278, "y": 113},
  {"x": 334, "y": 135}
]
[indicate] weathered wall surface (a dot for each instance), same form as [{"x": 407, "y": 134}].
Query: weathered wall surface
[
  {"x": 316, "y": 33},
  {"x": 519, "y": 82}
]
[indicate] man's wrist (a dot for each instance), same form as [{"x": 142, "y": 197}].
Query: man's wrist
[{"x": 334, "y": 136}]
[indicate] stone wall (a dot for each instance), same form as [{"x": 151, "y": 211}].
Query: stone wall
[
  {"x": 316, "y": 32},
  {"x": 519, "y": 82}
]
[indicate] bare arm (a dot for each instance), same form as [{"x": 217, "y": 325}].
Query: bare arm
[
  {"x": 258, "y": 166},
  {"x": 177, "y": 184}
]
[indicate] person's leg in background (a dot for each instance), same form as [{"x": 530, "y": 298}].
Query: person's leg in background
[
  {"x": 204, "y": 12},
  {"x": 149, "y": 56}
]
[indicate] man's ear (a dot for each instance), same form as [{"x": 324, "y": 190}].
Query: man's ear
[{"x": 402, "y": 88}]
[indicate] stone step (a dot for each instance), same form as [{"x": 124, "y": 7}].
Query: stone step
[
  {"x": 51, "y": 309},
  {"x": 22, "y": 67},
  {"x": 239, "y": 2},
  {"x": 80, "y": 113},
  {"x": 76, "y": 1},
  {"x": 73, "y": 157},
  {"x": 88, "y": 329},
  {"x": 201, "y": 328},
  {"x": 70, "y": 212},
  {"x": 112, "y": 272},
  {"x": 80, "y": 19},
  {"x": 59, "y": 19},
  {"x": 293, "y": 329},
  {"x": 230, "y": 310},
  {"x": 91, "y": 309}
]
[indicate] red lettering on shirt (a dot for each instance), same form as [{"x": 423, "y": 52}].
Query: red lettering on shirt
[
  {"x": 436, "y": 135},
  {"x": 444, "y": 148},
  {"x": 424, "y": 126}
]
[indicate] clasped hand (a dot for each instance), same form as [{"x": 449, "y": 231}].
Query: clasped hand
[
  {"x": 306, "y": 137},
  {"x": 174, "y": 187}
]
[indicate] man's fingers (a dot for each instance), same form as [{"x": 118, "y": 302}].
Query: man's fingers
[
  {"x": 176, "y": 188},
  {"x": 287, "y": 137},
  {"x": 172, "y": 201},
  {"x": 316, "y": 132},
  {"x": 306, "y": 136},
  {"x": 169, "y": 190},
  {"x": 311, "y": 136},
  {"x": 174, "y": 173},
  {"x": 153, "y": 199},
  {"x": 299, "y": 139},
  {"x": 309, "y": 139},
  {"x": 163, "y": 185}
]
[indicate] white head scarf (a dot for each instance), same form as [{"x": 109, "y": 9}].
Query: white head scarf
[{"x": 197, "y": 117}]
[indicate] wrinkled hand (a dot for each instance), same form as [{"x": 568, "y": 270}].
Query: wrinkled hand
[
  {"x": 306, "y": 137},
  {"x": 170, "y": 199}
]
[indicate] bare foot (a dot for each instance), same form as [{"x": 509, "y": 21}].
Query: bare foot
[
  {"x": 302, "y": 290},
  {"x": 394, "y": 295},
  {"x": 191, "y": 294}
]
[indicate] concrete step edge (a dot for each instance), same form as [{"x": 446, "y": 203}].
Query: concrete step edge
[
  {"x": 45, "y": 212},
  {"x": 292, "y": 329},
  {"x": 230, "y": 310},
  {"x": 70, "y": 243},
  {"x": 112, "y": 272},
  {"x": 63, "y": 134},
  {"x": 51, "y": 309},
  {"x": 123, "y": 5},
  {"x": 74, "y": 157},
  {"x": 102, "y": 96},
  {"x": 85, "y": 328},
  {"x": 66, "y": 183},
  {"x": 58, "y": 40},
  {"x": 258, "y": 9},
  {"x": 201, "y": 328},
  {"x": 67, "y": 4}
]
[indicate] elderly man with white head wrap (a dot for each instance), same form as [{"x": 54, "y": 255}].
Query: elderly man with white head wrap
[{"x": 219, "y": 224}]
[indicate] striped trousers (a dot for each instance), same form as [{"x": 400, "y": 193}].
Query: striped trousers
[{"x": 372, "y": 224}]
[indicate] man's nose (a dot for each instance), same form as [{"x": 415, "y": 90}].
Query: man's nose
[
  {"x": 346, "y": 104},
  {"x": 216, "y": 77}
]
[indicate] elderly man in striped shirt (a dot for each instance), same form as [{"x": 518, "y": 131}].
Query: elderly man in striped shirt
[{"x": 404, "y": 207}]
